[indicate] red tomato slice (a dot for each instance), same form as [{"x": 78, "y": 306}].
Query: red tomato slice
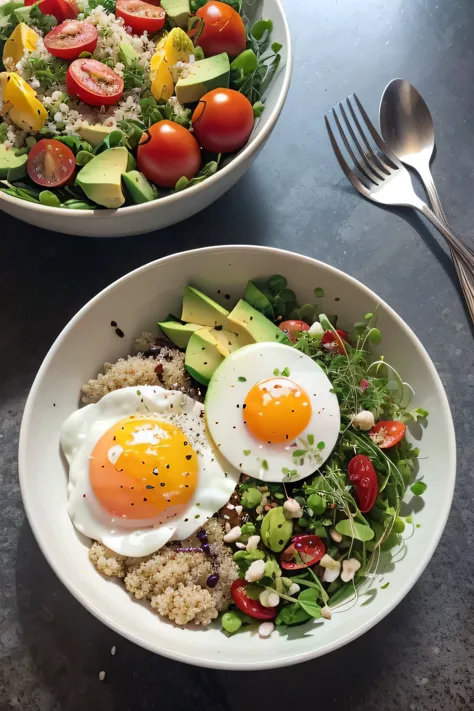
[
  {"x": 93, "y": 83},
  {"x": 167, "y": 152},
  {"x": 303, "y": 552},
  {"x": 50, "y": 163},
  {"x": 68, "y": 8},
  {"x": 219, "y": 29},
  {"x": 223, "y": 121},
  {"x": 60, "y": 9},
  {"x": 70, "y": 38},
  {"x": 252, "y": 608},
  {"x": 293, "y": 328},
  {"x": 141, "y": 16},
  {"x": 362, "y": 474},
  {"x": 334, "y": 343},
  {"x": 388, "y": 433}
]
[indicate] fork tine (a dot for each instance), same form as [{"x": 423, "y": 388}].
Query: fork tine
[
  {"x": 351, "y": 176},
  {"x": 390, "y": 157},
  {"x": 359, "y": 147},
  {"x": 372, "y": 180},
  {"x": 371, "y": 152}
]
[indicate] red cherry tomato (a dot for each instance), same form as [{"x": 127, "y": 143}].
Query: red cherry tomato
[
  {"x": 141, "y": 16},
  {"x": 252, "y": 608},
  {"x": 333, "y": 342},
  {"x": 223, "y": 121},
  {"x": 50, "y": 163},
  {"x": 362, "y": 474},
  {"x": 70, "y": 38},
  {"x": 60, "y": 9},
  {"x": 222, "y": 30},
  {"x": 303, "y": 552},
  {"x": 392, "y": 432},
  {"x": 292, "y": 328},
  {"x": 167, "y": 152},
  {"x": 93, "y": 83}
]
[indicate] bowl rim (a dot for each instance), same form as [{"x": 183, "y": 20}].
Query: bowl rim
[
  {"x": 220, "y": 175},
  {"x": 449, "y": 445}
]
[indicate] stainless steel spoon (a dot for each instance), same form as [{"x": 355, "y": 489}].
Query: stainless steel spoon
[{"x": 407, "y": 127}]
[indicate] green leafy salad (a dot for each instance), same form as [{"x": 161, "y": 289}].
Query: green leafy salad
[
  {"x": 119, "y": 102},
  {"x": 313, "y": 518}
]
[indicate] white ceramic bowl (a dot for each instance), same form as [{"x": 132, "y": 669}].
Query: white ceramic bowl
[
  {"x": 155, "y": 215},
  {"x": 136, "y": 302}
]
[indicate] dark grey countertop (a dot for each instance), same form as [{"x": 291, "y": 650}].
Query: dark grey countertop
[{"x": 421, "y": 656}]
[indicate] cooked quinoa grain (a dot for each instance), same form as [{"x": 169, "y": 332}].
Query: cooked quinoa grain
[{"x": 135, "y": 370}]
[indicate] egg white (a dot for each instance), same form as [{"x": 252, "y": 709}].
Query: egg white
[
  {"x": 225, "y": 416},
  {"x": 83, "y": 429}
]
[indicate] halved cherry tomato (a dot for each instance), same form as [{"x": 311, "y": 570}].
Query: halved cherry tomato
[
  {"x": 70, "y": 38},
  {"x": 223, "y": 121},
  {"x": 50, "y": 163},
  {"x": 93, "y": 83},
  {"x": 219, "y": 29},
  {"x": 303, "y": 552},
  {"x": 141, "y": 16},
  {"x": 252, "y": 608},
  {"x": 362, "y": 474},
  {"x": 167, "y": 152},
  {"x": 388, "y": 433},
  {"x": 333, "y": 342},
  {"x": 60, "y": 9},
  {"x": 292, "y": 328}
]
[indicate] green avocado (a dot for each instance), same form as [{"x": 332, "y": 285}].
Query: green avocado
[
  {"x": 101, "y": 178},
  {"x": 178, "y": 12},
  {"x": 127, "y": 54},
  {"x": 138, "y": 187},
  {"x": 202, "y": 356},
  {"x": 250, "y": 323},
  {"x": 199, "y": 308},
  {"x": 227, "y": 341},
  {"x": 94, "y": 134},
  {"x": 178, "y": 333},
  {"x": 203, "y": 76},
  {"x": 12, "y": 166}
]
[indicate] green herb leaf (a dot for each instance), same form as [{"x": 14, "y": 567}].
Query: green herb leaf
[
  {"x": 418, "y": 488},
  {"x": 46, "y": 197},
  {"x": 241, "y": 379},
  {"x": 319, "y": 292},
  {"x": 311, "y": 439},
  {"x": 307, "y": 600},
  {"x": 359, "y": 531}
]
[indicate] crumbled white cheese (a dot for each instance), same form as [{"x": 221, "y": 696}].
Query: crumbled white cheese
[
  {"x": 256, "y": 571},
  {"x": 349, "y": 569},
  {"x": 364, "y": 420}
]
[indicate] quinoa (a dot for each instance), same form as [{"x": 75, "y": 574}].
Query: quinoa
[
  {"x": 173, "y": 581},
  {"x": 132, "y": 371}
]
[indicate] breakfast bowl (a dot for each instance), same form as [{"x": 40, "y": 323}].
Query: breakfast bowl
[
  {"x": 173, "y": 205},
  {"x": 104, "y": 330}
]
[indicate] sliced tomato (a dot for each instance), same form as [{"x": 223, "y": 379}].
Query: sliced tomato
[
  {"x": 141, "y": 16},
  {"x": 252, "y": 608},
  {"x": 167, "y": 152},
  {"x": 60, "y": 9},
  {"x": 69, "y": 9},
  {"x": 334, "y": 341},
  {"x": 219, "y": 28},
  {"x": 388, "y": 433},
  {"x": 50, "y": 163},
  {"x": 93, "y": 83},
  {"x": 362, "y": 474},
  {"x": 303, "y": 552},
  {"x": 293, "y": 328},
  {"x": 69, "y": 39}
]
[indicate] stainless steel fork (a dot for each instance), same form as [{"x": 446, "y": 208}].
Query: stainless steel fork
[{"x": 379, "y": 176}]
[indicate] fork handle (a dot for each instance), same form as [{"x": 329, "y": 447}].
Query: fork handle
[{"x": 456, "y": 244}]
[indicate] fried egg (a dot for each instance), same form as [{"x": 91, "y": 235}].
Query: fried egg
[
  {"x": 143, "y": 469},
  {"x": 271, "y": 412}
]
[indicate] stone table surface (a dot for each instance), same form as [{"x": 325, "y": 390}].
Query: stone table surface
[{"x": 421, "y": 656}]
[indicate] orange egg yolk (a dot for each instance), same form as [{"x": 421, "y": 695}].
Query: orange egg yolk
[
  {"x": 143, "y": 468},
  {"x": 277, "y": 410}
]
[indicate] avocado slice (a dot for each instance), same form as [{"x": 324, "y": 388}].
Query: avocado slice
[
  {"x": 138, "y": 187},
  {"x": 203, "y": 76},
  {"x": 178, "y": 12},
  {"x": 179, "y": 333},
  {"x": 199, "y": 308},
  {"x": 94, "y": 134},
  {"x": 202, "y": 356},
  {"x": 227, "y": 341},
  {"x": 101, "y": 178},
  {"x": 248, "y": 322},
  {"x": 11, "y": 163},
  {"x": 127, "y": 54}
]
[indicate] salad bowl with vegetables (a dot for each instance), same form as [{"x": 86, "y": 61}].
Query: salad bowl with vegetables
[
  {"x": 151, "y": 109},
  {"x": 325, "y": 450}
]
